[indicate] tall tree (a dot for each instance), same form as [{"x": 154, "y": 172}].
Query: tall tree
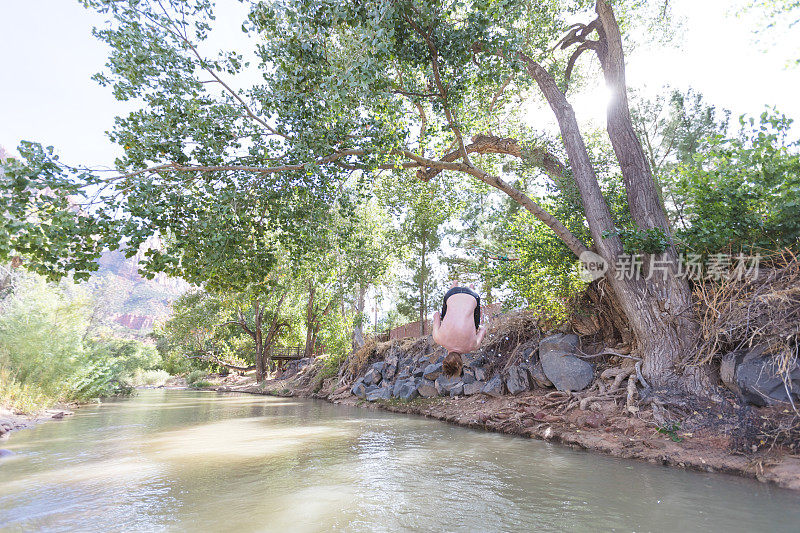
[{"x": 378, "y": 85}]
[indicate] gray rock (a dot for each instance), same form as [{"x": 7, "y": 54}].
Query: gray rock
[
  {"x": 407, "y": 390},
  {"x": 372, "y": 388},
  {"x": 379, "y": 366},
  {"x": 565, "y": 371},
  {"x": 432, "y": 371},
  {"x": 372, "y": 377},
  {"x": 427, "y": 389},
  {"x": 473, "y": 388},
  {"x": 468, "y": 378},
  {"x": 755, "y": 378},
  {"x": 444, "y": 385},
  {"x": 536, "y": 373},
  {"x": 480, "y": 374},
  {"x": 516, "y": 380},
  {"x": 474, "y": 360},
  {"x": 390, "y": 369},
  {"x": 457, "y": 390},
  {"x": 359, "y": 389},
  {"x": 559, "y": 342},
  {"x": 404, "y": 373},
  {"x": 494, "y": 387},
  {"x": 382, "y": 393}
]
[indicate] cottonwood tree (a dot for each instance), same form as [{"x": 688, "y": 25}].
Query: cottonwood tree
[{"x": 394, "y": 85}]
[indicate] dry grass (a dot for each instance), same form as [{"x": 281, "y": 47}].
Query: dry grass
[
  {"x": 506, "y": 336},
  {"x": 764, "y": 310}
]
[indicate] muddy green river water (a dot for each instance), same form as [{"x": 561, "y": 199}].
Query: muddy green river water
[{"x": 181, "y": 461}]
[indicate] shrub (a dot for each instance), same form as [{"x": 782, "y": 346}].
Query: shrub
[
  {"x": 153, "y": 378},
  {"x": 195, "y": 375},
  {"x": 201, "y": 384}
]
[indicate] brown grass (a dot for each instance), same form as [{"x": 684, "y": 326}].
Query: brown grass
[{"x": 764, "y": 310}]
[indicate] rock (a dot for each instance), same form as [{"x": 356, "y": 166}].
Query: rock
[
  {"x": 516, "y": 380},
  {"x": 494, "y": 387},
  {"x": 6, "y": 453},
  {"x": 379, "y": 366},
  {"x": 457, "y": 390},
  {"x": 559, "y": 342},
  {"x": 480, "y": 374},
  {"x": 444, "y": 385},
  {"x": 407, "y": 390},
  {"x": 418, "y": 372},
  {"x": 468, "y": 378},
  {"x": 536, "y": 373},
  {"x": 58, "y": 416},
  {"x": 565, "y": 371},
  {"x": 474, "y": 360},
  {"x": 372, "y": 377},
  {"x": 432, "y": 371},
  {"x": 473, "y": 388},
  {"x": 381, "y": 393},
  {"x": 359, "y": 389},
  {"x": 390, "y": 369},
  {"x": 427, "y": 389},
  {"x": 754, "y": 377}
]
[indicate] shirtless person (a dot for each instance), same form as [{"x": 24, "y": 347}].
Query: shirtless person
[{"x": 457, "y": 328}]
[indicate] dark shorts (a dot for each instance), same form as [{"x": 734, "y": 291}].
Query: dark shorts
[{"x": 464, "y": 290}]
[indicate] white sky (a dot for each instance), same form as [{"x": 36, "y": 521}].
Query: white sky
[{"x": 48, "y": 55}]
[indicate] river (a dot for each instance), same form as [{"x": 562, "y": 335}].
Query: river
[{"x": 181, "y": 460}]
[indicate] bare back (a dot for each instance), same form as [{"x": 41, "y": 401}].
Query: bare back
[{"x": 456, "y": 332}]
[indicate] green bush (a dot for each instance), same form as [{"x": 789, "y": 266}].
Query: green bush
[
  {"x": 201, "y": 384},
  {"x": 195, "y": 375},
  {"x": 741, "y": 194},
  {"x": 153, "y": 378}
]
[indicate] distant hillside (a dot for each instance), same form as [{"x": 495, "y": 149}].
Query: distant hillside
[{"x": 127, "y": 299}]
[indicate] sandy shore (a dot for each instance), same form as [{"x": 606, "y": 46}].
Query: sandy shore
[{"x": 12, "y": 421}]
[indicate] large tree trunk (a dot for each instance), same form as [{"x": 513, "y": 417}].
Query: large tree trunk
[
  {"x": 358, "y": 328},
  {"x": 422, "y": 278},
  {"x": 261, "y": 367},
  {"x": 659, "y": 309},
  {"x": 309, "y": 350},
  {"x": 653, "y": 308}
]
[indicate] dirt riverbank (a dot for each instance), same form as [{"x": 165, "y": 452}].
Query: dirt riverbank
[
  {"x": 606, "y": 430},
  {"x": 11, "y": 420}
]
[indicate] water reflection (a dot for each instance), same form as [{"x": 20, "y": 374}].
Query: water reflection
[{"x": 178, "y": 460}]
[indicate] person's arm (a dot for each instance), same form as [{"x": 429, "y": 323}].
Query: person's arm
[{"x": 479, "y": 337}]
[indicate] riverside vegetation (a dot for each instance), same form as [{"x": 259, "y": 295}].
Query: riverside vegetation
[{"x": 383, "y": 129}]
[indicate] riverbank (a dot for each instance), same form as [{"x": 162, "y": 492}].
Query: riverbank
[
  {"x": 11, "y": 421},
  {"x": 606, "y": 429}
]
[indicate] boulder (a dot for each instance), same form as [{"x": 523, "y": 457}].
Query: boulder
[
  {"x": 379, "y": 366},
  {"x": 432, "y": 371},
  {"x": 473, "y": 388},
  {"x": 468, "y": 378},
  {"x": 480, "y": 374},
  {"x": 474, "y": 360},
  {"x": 390, "y": 369},
  {"x": 457, "y": 389},
  {"x": 536, "y": 373},
  {"x": 516, "y": 379},
  {"x": 566, "y": 371},
  {"x": 444, "y": 385},
  {"x": 427, "y": 389},
  {"x": 755, "y": 378},
  {"x": 494, "y": 387},
  {"x": 406, "y": 389},
  {"x": 381, "y": 393},
  {"x": 359, "y": 389},
  {"x": 560, "y": 342},
  {"x": 372, "y": 377}
]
